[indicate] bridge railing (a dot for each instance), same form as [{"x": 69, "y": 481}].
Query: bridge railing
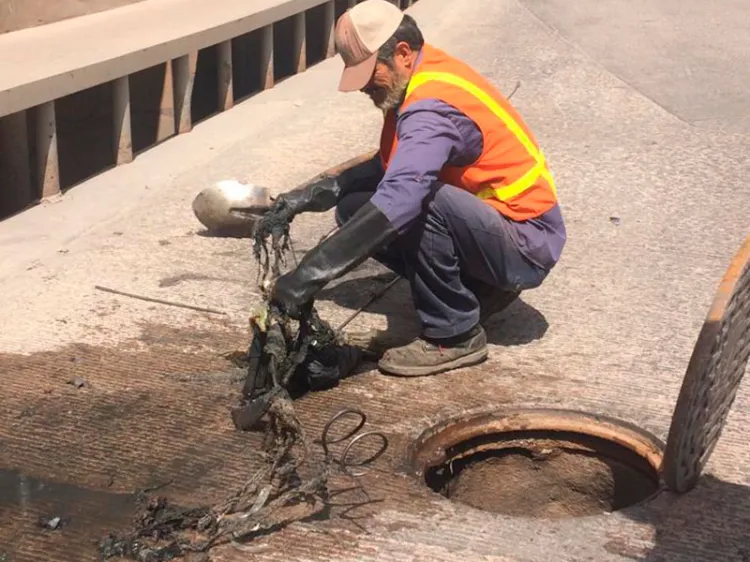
[{"x": 80, "y": 96}]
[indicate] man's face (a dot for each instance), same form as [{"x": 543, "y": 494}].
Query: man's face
[{"x": 388, "y": 84}]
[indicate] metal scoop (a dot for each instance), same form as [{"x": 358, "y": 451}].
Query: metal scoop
[{"x": 229, "y": 205}]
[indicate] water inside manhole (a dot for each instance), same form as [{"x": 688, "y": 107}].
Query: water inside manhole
[{"x": 539, "y": 464}]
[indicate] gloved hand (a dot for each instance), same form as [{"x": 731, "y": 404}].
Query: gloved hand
[
  {"x": 317, "y": 196},
  {"x": 357, "y": 239},
  {"x": 274, "y": 224},
  {"x": 286, "y": 206}
]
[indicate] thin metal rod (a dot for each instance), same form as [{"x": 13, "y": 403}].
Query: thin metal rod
[
  {"x": 294, "y": 253},
  {"x": 518, "y": 85},
  {"x": 160, "y": 301},
  {"x": 328, "y": 234},
  {"x": 373, "y": 298}
]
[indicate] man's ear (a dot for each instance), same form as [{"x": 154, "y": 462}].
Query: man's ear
[{"x": 403, "y": 51}]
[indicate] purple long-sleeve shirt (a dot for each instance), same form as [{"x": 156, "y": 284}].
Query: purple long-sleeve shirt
[{"x": 432, "y": 134}]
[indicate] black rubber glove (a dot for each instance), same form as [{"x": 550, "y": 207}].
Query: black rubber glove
[
  {"x": 322, "y": 194},
  {"x": 319, "y": 196},
  {"x": 360, "y": 237},
  {"x": 316, "y": 197}
]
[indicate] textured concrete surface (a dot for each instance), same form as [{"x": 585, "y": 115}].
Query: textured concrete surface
[
  {"x": 611, "y": 330},
  {"x": 689, "y": 57}
]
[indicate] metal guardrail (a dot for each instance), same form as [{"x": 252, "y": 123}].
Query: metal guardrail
[{"x": 42, "y": 69}]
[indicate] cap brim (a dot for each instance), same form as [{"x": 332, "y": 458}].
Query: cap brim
[{"x": 356, "y": 77}]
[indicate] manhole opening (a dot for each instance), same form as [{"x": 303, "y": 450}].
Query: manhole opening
[{"x": 548, "y": 474}]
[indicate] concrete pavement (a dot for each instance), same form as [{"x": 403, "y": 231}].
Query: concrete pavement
[
  {"x": 611, "y": 330},
  {"x": 688, "y": 57}
]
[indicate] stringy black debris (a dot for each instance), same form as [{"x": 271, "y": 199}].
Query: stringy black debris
[
  {"x": 313, "y": 359},
  {"x": 274, "y": 225},
  {"x": 287, "y": 488},
  {"x": 279, "y": 493}
]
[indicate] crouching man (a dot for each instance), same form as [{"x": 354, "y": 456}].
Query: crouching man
[{"x": 459, "y": 200}]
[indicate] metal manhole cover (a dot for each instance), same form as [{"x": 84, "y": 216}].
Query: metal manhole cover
[{"x": 713, "y": 376}]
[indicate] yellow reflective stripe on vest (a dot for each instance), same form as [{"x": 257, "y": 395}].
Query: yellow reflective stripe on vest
[
  {"x": 529, "y": 178},
  {"x": 523, "y": 183}
]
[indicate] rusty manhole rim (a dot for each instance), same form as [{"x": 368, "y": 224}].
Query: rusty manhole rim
[{"x": 445, "y": 441}]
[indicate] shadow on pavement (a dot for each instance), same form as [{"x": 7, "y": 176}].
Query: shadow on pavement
[
  {"x": 711, "y": 523},
  {"x": 519, "y": 324}
]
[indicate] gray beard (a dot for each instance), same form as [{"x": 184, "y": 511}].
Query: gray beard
[{"x": 395, "y": 96}]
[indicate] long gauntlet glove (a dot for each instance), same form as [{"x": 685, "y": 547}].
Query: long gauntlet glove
[
  {"x": 322, "y": 194},
  {"x": 360, "y": 237},
  {"x": 317, "y": 197}
]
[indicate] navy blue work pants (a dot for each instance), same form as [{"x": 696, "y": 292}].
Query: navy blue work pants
[{"x": 458, "y": 248}]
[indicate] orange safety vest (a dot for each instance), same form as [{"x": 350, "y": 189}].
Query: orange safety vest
[{"x": 511, "y": 174}]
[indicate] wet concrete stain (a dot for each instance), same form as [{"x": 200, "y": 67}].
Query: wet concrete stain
[
  {"x": 155, "y": 411},
  {"x": 82, "y": 453},
  {"x": 41, "y": 512}
]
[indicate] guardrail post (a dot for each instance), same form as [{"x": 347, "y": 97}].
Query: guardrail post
[
  {"x": 300, "y": 43},
  {"x": 48, "y": 162},
  {"x": 184, "y": 77},
  {"x": 329, "y": 23},
  {"x": 266, "y": 58},
  {"x": 14, "y": 161},
  {"x": 166, "y": 106},
  {"x": 225, "y": 75},
  {"x": 123, "y": 138}
]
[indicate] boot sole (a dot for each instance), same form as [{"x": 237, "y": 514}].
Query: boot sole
[{"x": 473, "y": 358}]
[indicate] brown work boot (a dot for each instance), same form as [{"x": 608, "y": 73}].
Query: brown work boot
[{"x": 421, "y": 357}]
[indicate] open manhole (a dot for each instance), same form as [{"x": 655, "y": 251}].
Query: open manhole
[
  {"x": 539, "y": 463},
  {"x": 559, "y": 463}
]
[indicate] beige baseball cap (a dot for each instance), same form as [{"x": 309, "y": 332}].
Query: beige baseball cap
[{"x": 360, "y": 32}]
